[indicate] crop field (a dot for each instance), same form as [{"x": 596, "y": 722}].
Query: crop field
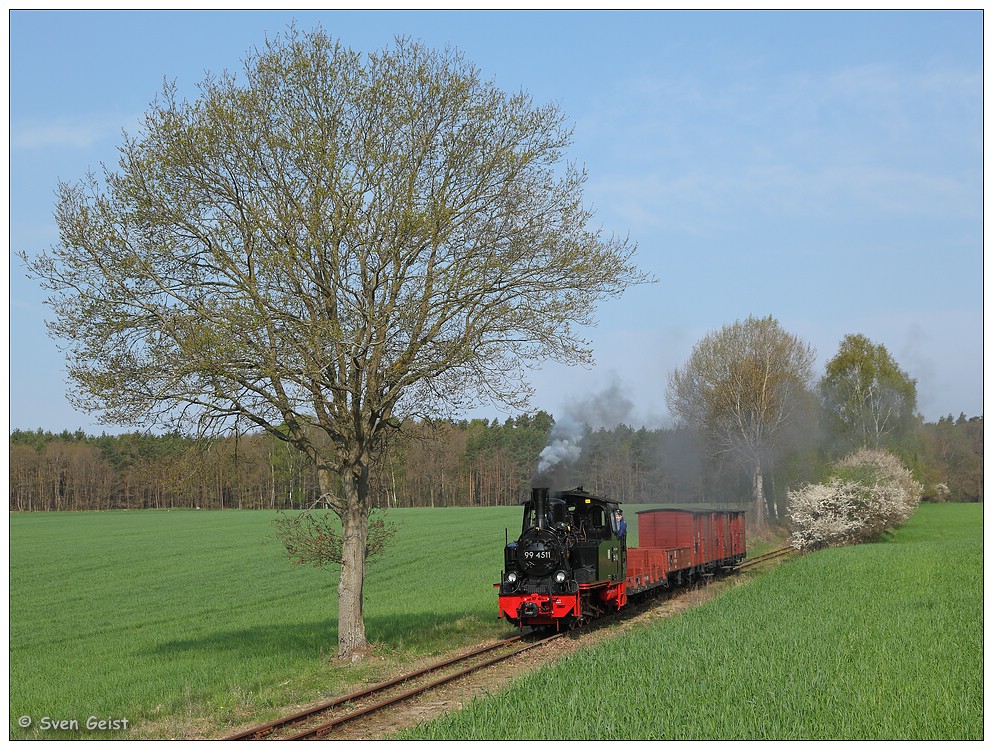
[
  {"x": 185, "y": 623},
  {"x": 876, "y": 642}
]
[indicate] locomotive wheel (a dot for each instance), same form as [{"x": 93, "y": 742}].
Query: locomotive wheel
[{"x": 592, "y": 609}]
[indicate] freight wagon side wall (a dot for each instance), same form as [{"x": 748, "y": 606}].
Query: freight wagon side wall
[
  {"x": 719, "y": 523},
  {"x": 722, "y": 525},
  {"x": 650, "y": 566},
  {"x": 646, "y": 567},
  {"x": 663, "y": 528},
  {"x": 703, "y": 530},
  {"x": 737, "y": 534},
  {"x": 711, "y": 535}
]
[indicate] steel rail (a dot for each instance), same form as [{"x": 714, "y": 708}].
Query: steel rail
[
  {"x": 323, "y": 729},
  {"x": 772, "y": 555},
  {"x": 262, "y": 730}
]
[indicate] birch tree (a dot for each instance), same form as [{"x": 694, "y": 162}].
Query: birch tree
[
  {"x": 322, "y": 247},
  {"x": 871, "y": 398},
  {"x": 742, "y": 387}
]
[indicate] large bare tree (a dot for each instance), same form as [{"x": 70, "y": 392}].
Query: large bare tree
[
  {"x": 322, "y": 247},
  {"x": 742, "y": 387}
]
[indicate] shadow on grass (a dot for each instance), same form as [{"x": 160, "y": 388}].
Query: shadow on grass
[{"x": 419, "y": 632}]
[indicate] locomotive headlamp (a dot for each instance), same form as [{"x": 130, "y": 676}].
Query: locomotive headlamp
[
  {"x": 512, "y": 577},
  {"x": 560, "y": 577}
]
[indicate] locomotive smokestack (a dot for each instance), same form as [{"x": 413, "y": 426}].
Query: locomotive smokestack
[{"x": 539, "y": 496}]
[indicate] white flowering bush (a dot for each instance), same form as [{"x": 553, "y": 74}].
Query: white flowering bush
[
  {"x": 940, "y": 493},
  {"x": 869, "y": 493}
]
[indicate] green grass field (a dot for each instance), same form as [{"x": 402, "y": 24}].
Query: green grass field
[
  {"x": 881, "y": 641},
  {"x": 185, "y": 623}
]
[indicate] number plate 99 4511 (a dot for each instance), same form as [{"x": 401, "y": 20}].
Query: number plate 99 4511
[{"x": 538, "y": 555}]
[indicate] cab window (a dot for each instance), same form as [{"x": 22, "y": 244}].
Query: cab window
[{"x": 529, "y": 518}]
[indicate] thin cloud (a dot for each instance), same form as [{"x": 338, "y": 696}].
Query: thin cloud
[
  {"x": 66, "y": 132},
  {"x": 852, "y": 141}
]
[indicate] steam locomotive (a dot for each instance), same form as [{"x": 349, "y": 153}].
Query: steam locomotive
[{"x": 571, "y": 563}]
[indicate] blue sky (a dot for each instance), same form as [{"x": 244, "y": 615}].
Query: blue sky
[{"x": 824, "y": 168}]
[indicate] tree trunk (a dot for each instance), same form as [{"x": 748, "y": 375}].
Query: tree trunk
[
  {"x": 759, "y": 497},
  {"x": 354, "y": 517}
]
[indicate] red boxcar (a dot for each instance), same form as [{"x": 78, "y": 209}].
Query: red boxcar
[{"x": 678, "y": 543}]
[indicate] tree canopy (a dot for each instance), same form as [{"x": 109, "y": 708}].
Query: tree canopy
[
  {"x": 321, "y": 247},
  {"x": 872, "y": 400},
  {"x": 743, "y": 386}
]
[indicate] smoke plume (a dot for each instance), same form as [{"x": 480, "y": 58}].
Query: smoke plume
[
  {"x": 559, "y": 464},
  {"x": 564, "y": 446}
]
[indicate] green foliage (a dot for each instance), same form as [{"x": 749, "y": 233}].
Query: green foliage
[
  {"x": 872, "y": 401},
  {"x": 949, "y": 459},
  {"x": 313, "y": 538},
  {"x": 478, "y": 462},
  {"x": 840, "y": 659},
  {"x": 328, "y": 241}
]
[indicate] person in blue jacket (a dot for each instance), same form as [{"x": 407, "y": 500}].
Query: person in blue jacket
[{"x": 622, "y": 527}]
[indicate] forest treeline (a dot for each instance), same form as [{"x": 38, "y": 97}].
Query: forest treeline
[{"x": 477, "y": 462}]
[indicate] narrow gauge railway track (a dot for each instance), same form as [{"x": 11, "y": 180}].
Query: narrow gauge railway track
[
  {"x": 314, "y": 723},
  {"x": 771, "y": 555},
  {"x": 311, "y": 722}
]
